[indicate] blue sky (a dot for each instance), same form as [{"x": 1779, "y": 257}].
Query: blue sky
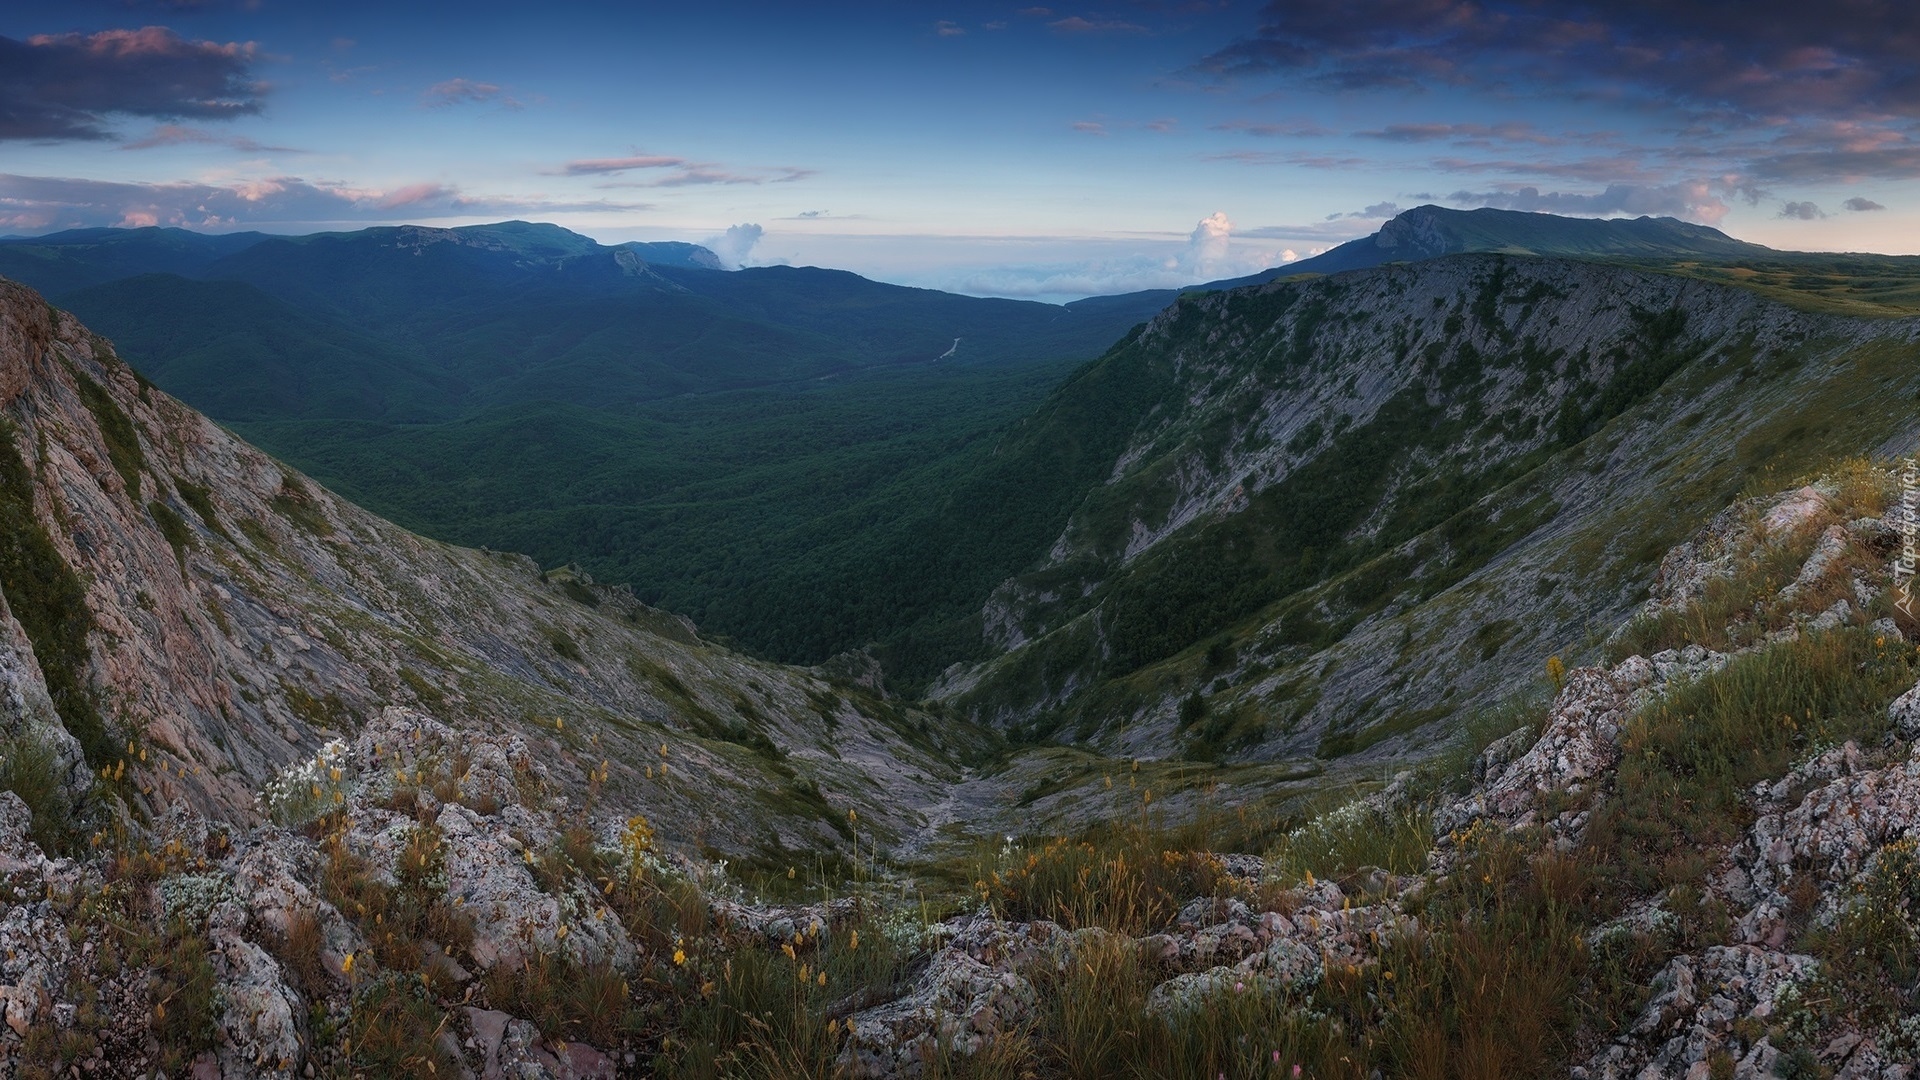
[{"x": 1008, "y": 149}]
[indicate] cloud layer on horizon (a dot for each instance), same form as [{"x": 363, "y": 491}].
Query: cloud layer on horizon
[{"x": 30, "y": 204}]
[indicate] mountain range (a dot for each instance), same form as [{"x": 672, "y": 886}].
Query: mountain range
[
  {"x": 1541, "y": 602},
  {"x": 740, "y": 446}
]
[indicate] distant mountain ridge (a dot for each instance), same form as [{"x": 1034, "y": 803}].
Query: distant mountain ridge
[
  {"x": 415, "y": 323},
  {"x": 1428, "y": 232},
  {"x": 58, "y": 263}
]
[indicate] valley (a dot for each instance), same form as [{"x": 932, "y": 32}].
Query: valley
[{"x": 1230, "y": 657}]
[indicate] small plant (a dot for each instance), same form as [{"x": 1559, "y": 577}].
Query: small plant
[
  {"x": 186, "y": 997},
  {"x": 1127, "y": 878},
  {"x": 301, "y": 948},
  {"x": 563, "y": 644},
  {"x": 1351, "y": 836},
  {"x": 173, "y": 527},
  {"x": 305, "y": 790},
  {"x": 395, "y": 1026},
  {"x": 1872, "y": 950}
]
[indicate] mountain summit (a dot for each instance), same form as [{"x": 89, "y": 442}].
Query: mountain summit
[{"x": 1428, "y": 232}]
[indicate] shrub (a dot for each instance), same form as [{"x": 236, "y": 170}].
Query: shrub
[
  {"x": 50, "y": 602},
  {"x": 30, "y": 769},
  {"x": 116, "y": 430}
]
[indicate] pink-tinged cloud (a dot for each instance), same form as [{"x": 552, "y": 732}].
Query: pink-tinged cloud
[
  {"x": 71, "y": 86},
  {"x": 417, "y": 195},
  {"x": 39, "y": 203},
  {"x": 467, "y": 92}
]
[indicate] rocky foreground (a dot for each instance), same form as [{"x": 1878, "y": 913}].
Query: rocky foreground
[{"x": 429, "y": 901}]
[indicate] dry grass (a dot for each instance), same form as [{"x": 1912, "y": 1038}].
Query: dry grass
[{"x": 1127, "y": 878}]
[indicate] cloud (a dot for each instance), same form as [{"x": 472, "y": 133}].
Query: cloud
[
  {"x": 1292, "y": 129},
  {"x": 1763, "y": 88},
  {"x": 1075, "y": 24},
  {"x": 1692, "y": 200},
  {"x": 1090, "y": 127},
  {"x": 1839, "y": 165},
  {"x": 41, "y": 203},
  {"x": 1509, "y": 131},
  {"x": 1860, "y": 205},
  {"x": 1763, "y": 57},
  {"x": 1304, "y": 161},
  {"x": 177, "y": 135},
  {"x": 811, "y": 214},
  {"x": 736, "y": 245},
  {"x": 1208, "y": 254},
  {"x": 1801, "y": 211},
  {"x": 1318, "y": 235},
  {"x": 944, "y": 28},
  {"x": 1375, "y": 212},
  {"x": 1207, "y": 245},
  {"x": 685, "y": 173},
  {"x": 452, "y": 92},
  {"x": 696, "y": 175},
  {"x": 69, "y": 86},
  {"x": 598, "y": 166}
]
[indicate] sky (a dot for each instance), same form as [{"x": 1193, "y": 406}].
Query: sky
[{"x": 1047, "y": 152}]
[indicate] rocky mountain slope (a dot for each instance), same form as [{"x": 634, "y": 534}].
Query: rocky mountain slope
[
  {"x": 1696, "y": 860},
  {"x": 1334, "y": 517},
  {"x": 184, "y": 616}
]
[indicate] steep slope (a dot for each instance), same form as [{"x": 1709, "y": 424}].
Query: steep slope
[
  {"x": 198, "y": 616},
  {"x": 1337, "y": 501}
]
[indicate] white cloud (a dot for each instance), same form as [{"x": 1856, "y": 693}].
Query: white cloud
[{"x": 735, "y": 246}]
